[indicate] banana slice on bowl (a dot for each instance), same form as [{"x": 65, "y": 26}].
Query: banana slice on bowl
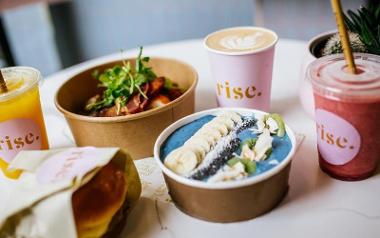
[
  {"x": 204, "y": 131},
  {"x": 200, "y": 142},
  {"x": 218, "y": 126},
  {"x": 186, "y": 158},
  {"x": 197, "y": 150},
  {"x": 233, "y": 116},
  {"x": 228, "y": 122},
  {"x": 181, "y": 161},
  {"x": 211, "y": 141}
]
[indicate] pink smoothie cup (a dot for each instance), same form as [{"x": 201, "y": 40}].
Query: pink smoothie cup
[
  {"x": 347, "y": 112},
  {"x": 243, "y": 78}
]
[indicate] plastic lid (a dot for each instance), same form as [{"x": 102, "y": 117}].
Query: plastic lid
[
  {"x": 330, "y": 77},
  {"x": 19, "y": 80}
]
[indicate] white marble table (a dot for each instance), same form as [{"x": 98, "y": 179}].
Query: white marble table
[{"x": 316, "y": 205}]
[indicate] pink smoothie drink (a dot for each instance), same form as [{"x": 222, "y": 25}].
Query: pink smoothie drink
[
  {"x": 347, "y": 112},
  {"x": 241, "y": 61}
]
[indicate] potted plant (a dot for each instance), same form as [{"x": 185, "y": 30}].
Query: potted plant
[{"x": 364, "y": 34}]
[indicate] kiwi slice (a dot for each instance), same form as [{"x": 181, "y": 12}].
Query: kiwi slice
[
  {"x": 280, "y": 123},
  {"x": 250, "y": 142},
  {"x": 233, "y": 161},
  {"x": 249, "y": 165}
]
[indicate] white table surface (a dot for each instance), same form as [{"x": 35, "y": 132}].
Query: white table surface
[{"x": 316, "y": 205}]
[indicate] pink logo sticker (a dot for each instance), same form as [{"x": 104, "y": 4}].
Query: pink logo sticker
[
  {"x": 67, "y": 165},
  {"x": 338, "y": 141},
  {"x": 17, "y": 135}
]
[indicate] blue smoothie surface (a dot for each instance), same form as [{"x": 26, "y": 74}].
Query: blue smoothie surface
[{"x": 281, "y": 145}]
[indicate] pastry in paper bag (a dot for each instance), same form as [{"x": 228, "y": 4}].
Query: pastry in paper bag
[{"x": 77, "y": 192}]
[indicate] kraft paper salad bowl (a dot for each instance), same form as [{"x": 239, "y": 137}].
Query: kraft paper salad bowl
[
  {"x": 135, "y": 132},
  {"x": 227, "y": 201}
]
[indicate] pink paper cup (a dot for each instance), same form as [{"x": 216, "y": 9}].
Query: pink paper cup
[{"x": 243, "y": 78}]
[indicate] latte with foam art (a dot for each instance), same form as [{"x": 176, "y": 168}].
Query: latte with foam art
[{"x": 241, "y": 39}]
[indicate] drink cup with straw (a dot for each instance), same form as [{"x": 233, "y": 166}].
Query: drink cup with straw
[
  {"x": 21, "y": 121},
  {"x": 347, "y": 109}
]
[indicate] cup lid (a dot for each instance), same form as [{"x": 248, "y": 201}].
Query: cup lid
[
  {"x": 330, "y": 77},
  {"x": 19, "y": 80}
]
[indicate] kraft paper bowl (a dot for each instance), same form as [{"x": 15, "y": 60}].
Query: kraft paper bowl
[
  {"x": 136, "y": 132},
  {"x": 226, "y": 201}
]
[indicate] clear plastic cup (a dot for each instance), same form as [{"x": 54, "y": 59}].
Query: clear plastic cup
[
  {"x": 347, "y": 113},
  {"x": 22, "y": 124}
]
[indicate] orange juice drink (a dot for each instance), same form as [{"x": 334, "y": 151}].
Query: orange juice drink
[{"x": 21, "y": 121}]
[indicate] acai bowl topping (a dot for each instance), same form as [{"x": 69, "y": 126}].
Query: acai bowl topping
[{"x": 226, "y": 147}]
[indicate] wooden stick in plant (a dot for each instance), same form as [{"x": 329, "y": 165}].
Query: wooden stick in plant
[
  {"x": 337, "y": 9},
  {"x": 3, "y": 85}
]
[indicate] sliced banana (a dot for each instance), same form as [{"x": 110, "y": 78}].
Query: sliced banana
[
  {"x": 206, "y": 137},
  {"x": 218, "y": 126},
  {"x": 228, "y": 122},
  {"x": 233, "y": 116},
  {"x": 216, "y": 135},
  {"x": 200, "y": 142},
  {"x": 198, "y": 151},
  {"x": 185, "y": 159},
  {"x": 181, "y": 161},
  {"x": 263, "y": 144}
]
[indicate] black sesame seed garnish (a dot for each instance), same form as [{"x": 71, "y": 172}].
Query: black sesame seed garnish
[
  {"x": 218, "y": 162},
  {"x": 226, "y": 154},
  {"x": 247, "y": 123}
]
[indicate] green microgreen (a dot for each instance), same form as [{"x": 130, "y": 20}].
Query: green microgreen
[{"x": 121, "y": 82}]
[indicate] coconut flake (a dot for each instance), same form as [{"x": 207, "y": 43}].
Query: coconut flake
[
  {"x": 247, "y": 153},
  {"x": 272, "y": 125},
  {"x": 273, "y": 162},
  {"x": 228, "y": 173},
  {"x": 263, "y": 144}
]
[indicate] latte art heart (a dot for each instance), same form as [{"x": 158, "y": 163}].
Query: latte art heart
[{"x": 234, "y": 42}]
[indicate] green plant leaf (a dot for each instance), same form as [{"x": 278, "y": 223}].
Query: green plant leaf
[
  {"x": 168, "y": 84},
  {"x": 349, "y": 24},
  {"x": 121, "y": 82},
  {"x": 355, "y": 19},
  {"x": 366, "y": 23},
  {"x": 366, "y": 16},
  {"x": 376, "y": 10}
]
